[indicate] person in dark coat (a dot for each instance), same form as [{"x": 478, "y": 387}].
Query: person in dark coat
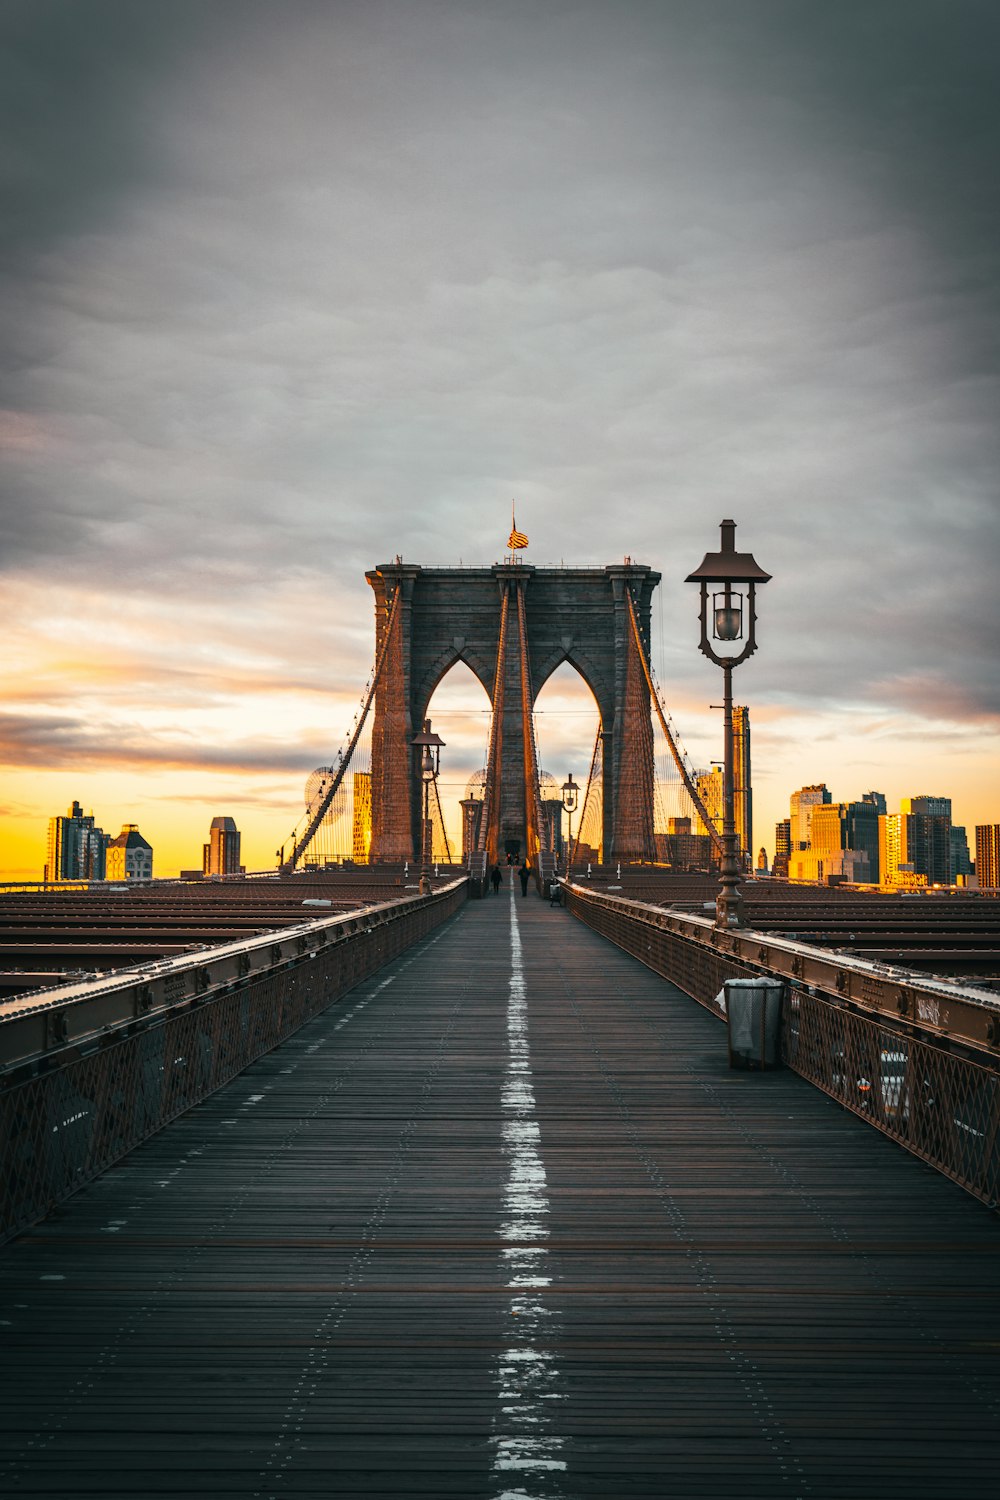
[
  {"x": 496, "y": 878},
  {"x": 524, "y": 874}
]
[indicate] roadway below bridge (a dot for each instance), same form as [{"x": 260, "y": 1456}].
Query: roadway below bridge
[{"x": 503, "y": 1223}]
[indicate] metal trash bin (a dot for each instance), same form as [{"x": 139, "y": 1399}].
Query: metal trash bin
[{"x": 753, "y": 1021}]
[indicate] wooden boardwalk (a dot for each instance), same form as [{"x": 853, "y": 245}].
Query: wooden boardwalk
[{"x": 503, "y": 1224}]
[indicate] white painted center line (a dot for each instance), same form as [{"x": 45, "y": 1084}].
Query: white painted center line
[{"x": 527, "y": 1375}]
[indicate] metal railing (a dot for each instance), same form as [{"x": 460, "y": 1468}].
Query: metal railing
[
  {"x": 915, "y": 1056},
  {"x": 90, "y": 1069}
]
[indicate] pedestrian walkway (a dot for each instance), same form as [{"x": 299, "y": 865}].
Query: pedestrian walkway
[{"x": 502, "y": 1223}]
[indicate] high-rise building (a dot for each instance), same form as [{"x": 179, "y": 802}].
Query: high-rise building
[
  {"x": 961, "y": 859},
  {"x": 843, "y": 826},
  {"x": 925, "y": 837},
  {"x": 130, "y": 857},
  {"x": 76, "y": 848},
  {"x": 742, "y": 788},
  {"x": 802, "y": 803},
  {"x": 710, "y": 789},
  {"x": 889, "y": 856},
  {"x": 221, "y": 855},
  {"x": 988, "y": 855},
  {"x": 877, "y": 800},
  {"x": 782, "y": 847},
  {"x": 361, "y": 827}
]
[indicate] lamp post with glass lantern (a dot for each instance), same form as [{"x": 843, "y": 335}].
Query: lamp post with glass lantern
[
  {"x": 569, "y": 795},
  {"x": 430, "y": 765},
  {"x": 734, "y": 573}
]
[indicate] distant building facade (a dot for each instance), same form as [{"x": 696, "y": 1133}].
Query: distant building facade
[
  {"x": 834, "y": 866},
  {"x": 361, "y": 822},
  {"x": 848, "y": 827},
  {"x": 76, "y": 849},
  {"x": 221, "y": 855},
  {"x": 988, "y": 855},
  {"x": 961, "y": 859},
  {"x": 742, "y": 788},
  {"x": 709, "y": 785},
  {"x": 802, "y": 803},
  {"x": 925, "y": 837},
  {"x": 129, "y": 857},
  {"x": 889, "y": 856},
  {"x": 782, "y": 848}
]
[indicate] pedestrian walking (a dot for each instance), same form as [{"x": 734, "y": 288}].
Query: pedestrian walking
[
  {"x": 524, "y": 874},
  {"x": 496, "y": 878}
]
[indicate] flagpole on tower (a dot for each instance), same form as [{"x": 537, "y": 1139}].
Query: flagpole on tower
[{"x": 517, "y": 539}]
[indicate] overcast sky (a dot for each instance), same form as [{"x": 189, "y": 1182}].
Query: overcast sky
[{"x": 289, "y": 288}]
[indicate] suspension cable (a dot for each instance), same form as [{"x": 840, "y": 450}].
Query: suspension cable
[
  {"x": 320, "y": 811},
  {"x": 444, "y": 831},
  {"x": 679, "y": 761}
]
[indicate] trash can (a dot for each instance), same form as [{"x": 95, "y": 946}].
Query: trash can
[{"x": 753, "y": 1021}]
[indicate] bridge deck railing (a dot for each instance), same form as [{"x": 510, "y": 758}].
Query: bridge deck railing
[
  {"x": 915, "y": 1056},
  {"x": 91, "y": 1068}
]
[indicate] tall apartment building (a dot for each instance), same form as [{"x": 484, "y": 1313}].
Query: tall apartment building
[
  {"x": 742, "y": 788},
  {"x": 915, "y": 843},
  {"x": 961, "y": 859},
  {"x": 221, "y": 855},
  {"x": 925, "y": 837},
  {"x": 889, "y": 857},
  {"x": 361, "y": 821},
  {"x": 988, "y": 855},
  {"x": 130, "y": 857},
  {"x": 848, "y": 826},
  {"x": 782, "y": 847},
  {"x": 709, "y": 787},
  {"x": 76, "y": 848},
  {"x": 801, "y": 805}
]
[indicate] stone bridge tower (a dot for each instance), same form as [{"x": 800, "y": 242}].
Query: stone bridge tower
[{"x": 579, "y": 615}]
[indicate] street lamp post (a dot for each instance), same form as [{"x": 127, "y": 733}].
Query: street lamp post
[
  {"x": 734, "y": 572},
  {"x": 569, "y": 795},
  {"x": 429, "y": 744}
]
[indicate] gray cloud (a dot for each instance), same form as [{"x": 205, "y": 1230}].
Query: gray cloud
[
  {"x": 293, "y": 288},
  {"x": 62, "y": 740}
]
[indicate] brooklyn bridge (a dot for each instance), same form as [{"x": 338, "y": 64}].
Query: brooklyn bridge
[{"x": 357, "y": 1177}]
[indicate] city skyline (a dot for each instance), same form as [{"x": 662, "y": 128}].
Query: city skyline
[{"x": 295, "y": 290}]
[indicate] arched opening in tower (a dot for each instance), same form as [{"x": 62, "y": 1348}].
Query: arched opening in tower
[
  {"x": 459, "y": 711},
  {"x": 567, "y": 721}
]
